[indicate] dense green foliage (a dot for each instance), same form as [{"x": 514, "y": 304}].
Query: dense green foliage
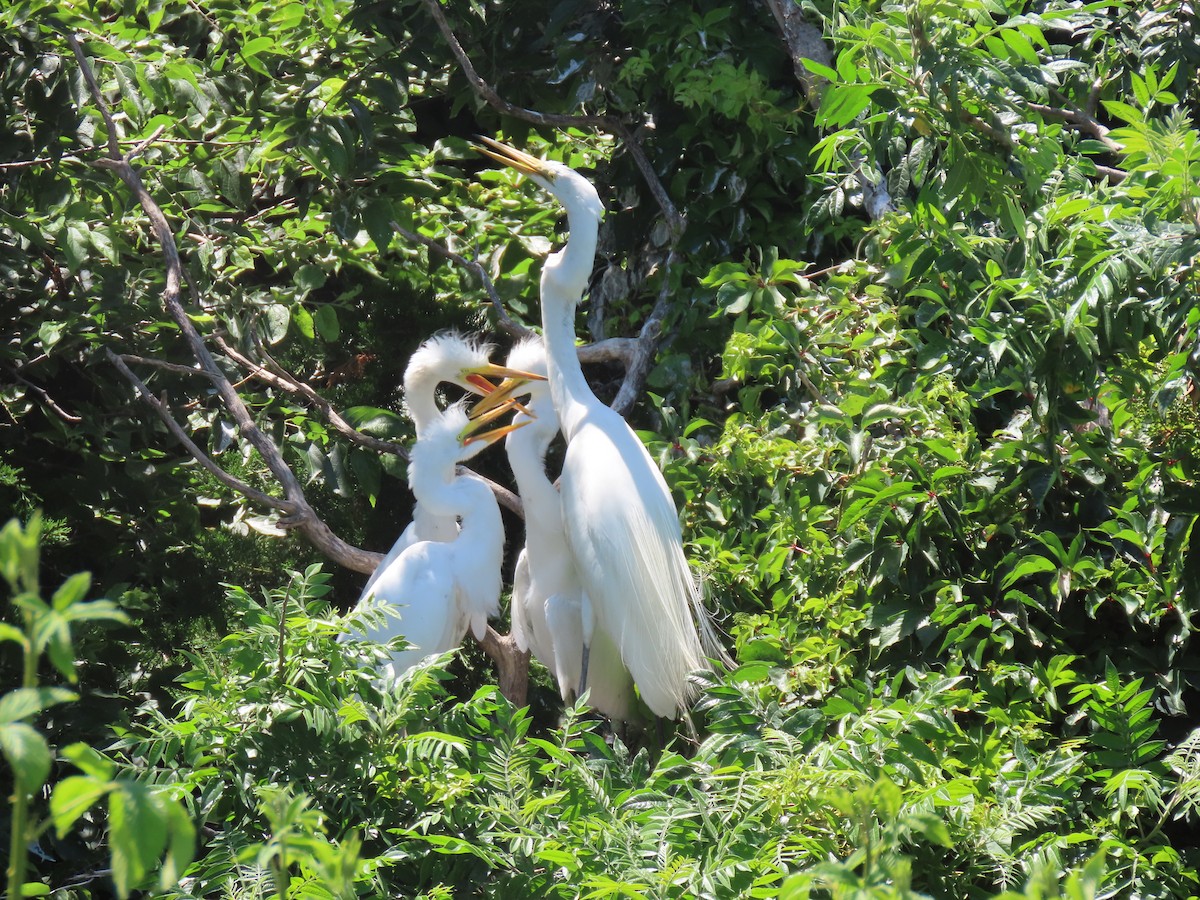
[{"x": 938, "y": 467}]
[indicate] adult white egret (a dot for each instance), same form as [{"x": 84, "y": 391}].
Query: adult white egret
[
  {"x": 440, "y": 589},
  {"x": 463, "y": 361},
  {"x": 547, "y": 596},
  {"x": 620, "y": 521}
]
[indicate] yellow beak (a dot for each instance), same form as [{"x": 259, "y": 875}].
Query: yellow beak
[
  {"x": 495, "y": 395},
  {"x": 472, "y": 433},
  {"x": 514, "y": 158}
]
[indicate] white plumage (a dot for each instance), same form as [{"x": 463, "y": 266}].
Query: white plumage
[
  {"x": 435, "y": 591},
  {"x": 547, "y": 597},
  {"x": 620, "y": 521}
]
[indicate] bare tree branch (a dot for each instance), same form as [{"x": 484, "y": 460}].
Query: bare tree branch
[
  {"x": 302, "y": 516},
  {"x": 675, "y": 220},
  {"x": 46, "y": 398},
  {"x": 162, "y": 364},
  {"x": 514, "y": 329},
  {"x": 647, "y": 344},
  {"x": 252, "y": 494},
  {"x": 493, "y": 99},
  {"x": 1079, "y": 120}
]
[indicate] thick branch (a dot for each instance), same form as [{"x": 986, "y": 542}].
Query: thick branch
[
  {"x": 303, "y": 515},
  {"x": 1079, "y": 120},
  {"x": 512, "y": 665},
  {"x": 647, "y": 344}
]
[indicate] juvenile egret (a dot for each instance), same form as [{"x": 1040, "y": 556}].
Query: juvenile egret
[
  {"x": 440, "y": 589},
  {"x": 447, "y": 357},
  {"x": 547, "y": 597},
  {"x": 619, "y": 518}
]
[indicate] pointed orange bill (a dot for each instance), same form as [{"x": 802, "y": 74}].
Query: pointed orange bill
[
  {"x": 504, "y": 395},
  {"x": 472, "y": 433},
  {"x": 512, "y": 157}
]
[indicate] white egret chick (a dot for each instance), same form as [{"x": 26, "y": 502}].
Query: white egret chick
[
  {"x": 438, "y": 590},
  {"x": 463, "y": 361},
  {"x": 547, "y": 596},
  {"x": 620, "y": 521}
]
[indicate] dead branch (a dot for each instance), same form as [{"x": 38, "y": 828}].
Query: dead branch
[
  {"x": 647, "y": 344},
  {"x": 1080, "y": 121},
  {"x": 302, "y": 515},
  {"x": 46, "y": 398},
  {"x": 234, "y": 484},
  {"x": 514, "y": 329}
]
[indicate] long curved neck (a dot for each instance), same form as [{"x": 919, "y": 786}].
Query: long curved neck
[
  {"x": 420, "y": 395},
  {"x": 563, "y": 281},
  {"x": 527, "y": 459}
]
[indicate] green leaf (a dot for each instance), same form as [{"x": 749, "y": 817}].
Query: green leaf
[
  {"x": 931, "y": 827},
  {"x": 25, "y": 702},
  {"x": 380, "y": 423},
  {"x": 137, "y": 825},
  {"x": 1030, "y": 565},
  {"x": 326, "y": 320},
  {"x": 72, "y": 590},
  {"x": 275, "y": 320},
  {"x": 303, "y": 321},
  {"x": 1124, "y": 112},
  {"x": 50, "y": 333},
  {"x": 27, "y": 753},
  {"x": 35, "y": 889},
  {"x": 181, "y": 848},
  {"x": 377, "y": 218},
  {"x": 89, "y": 760},
  {"x": 309, "y": 277},
  {"x": 72, "y": 797}
]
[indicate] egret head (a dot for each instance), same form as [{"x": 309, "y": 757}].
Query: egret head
[
  {"x": 572, "y": 190},
  {"x": 455, "y": 436},
  {"x": 529, "y": 355},
  {"x": 462, "y": 361}
]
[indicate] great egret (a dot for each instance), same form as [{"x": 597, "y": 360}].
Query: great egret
[
  {"x": 547, "y": 596},
  {"x": 440, "y": 589},
  {"x": 464, "y": 361},
  {"x": 620, "y": 521}
]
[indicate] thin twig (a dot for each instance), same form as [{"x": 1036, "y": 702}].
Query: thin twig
[
  {"x": 675, "y": 220},
  {"x": 294, "y": 386},
  {"x": 488, "y": 93},
  {"x": 514, "y": 329},
  {"x": 554, "y": 120},
  {"x": 280, "y": 378},
  {"x": 165, "y": 366},
  {"x": 252, "y": 494},
  {"x": 618, "y": 350},
  {"x": 46, "y": 398}
]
